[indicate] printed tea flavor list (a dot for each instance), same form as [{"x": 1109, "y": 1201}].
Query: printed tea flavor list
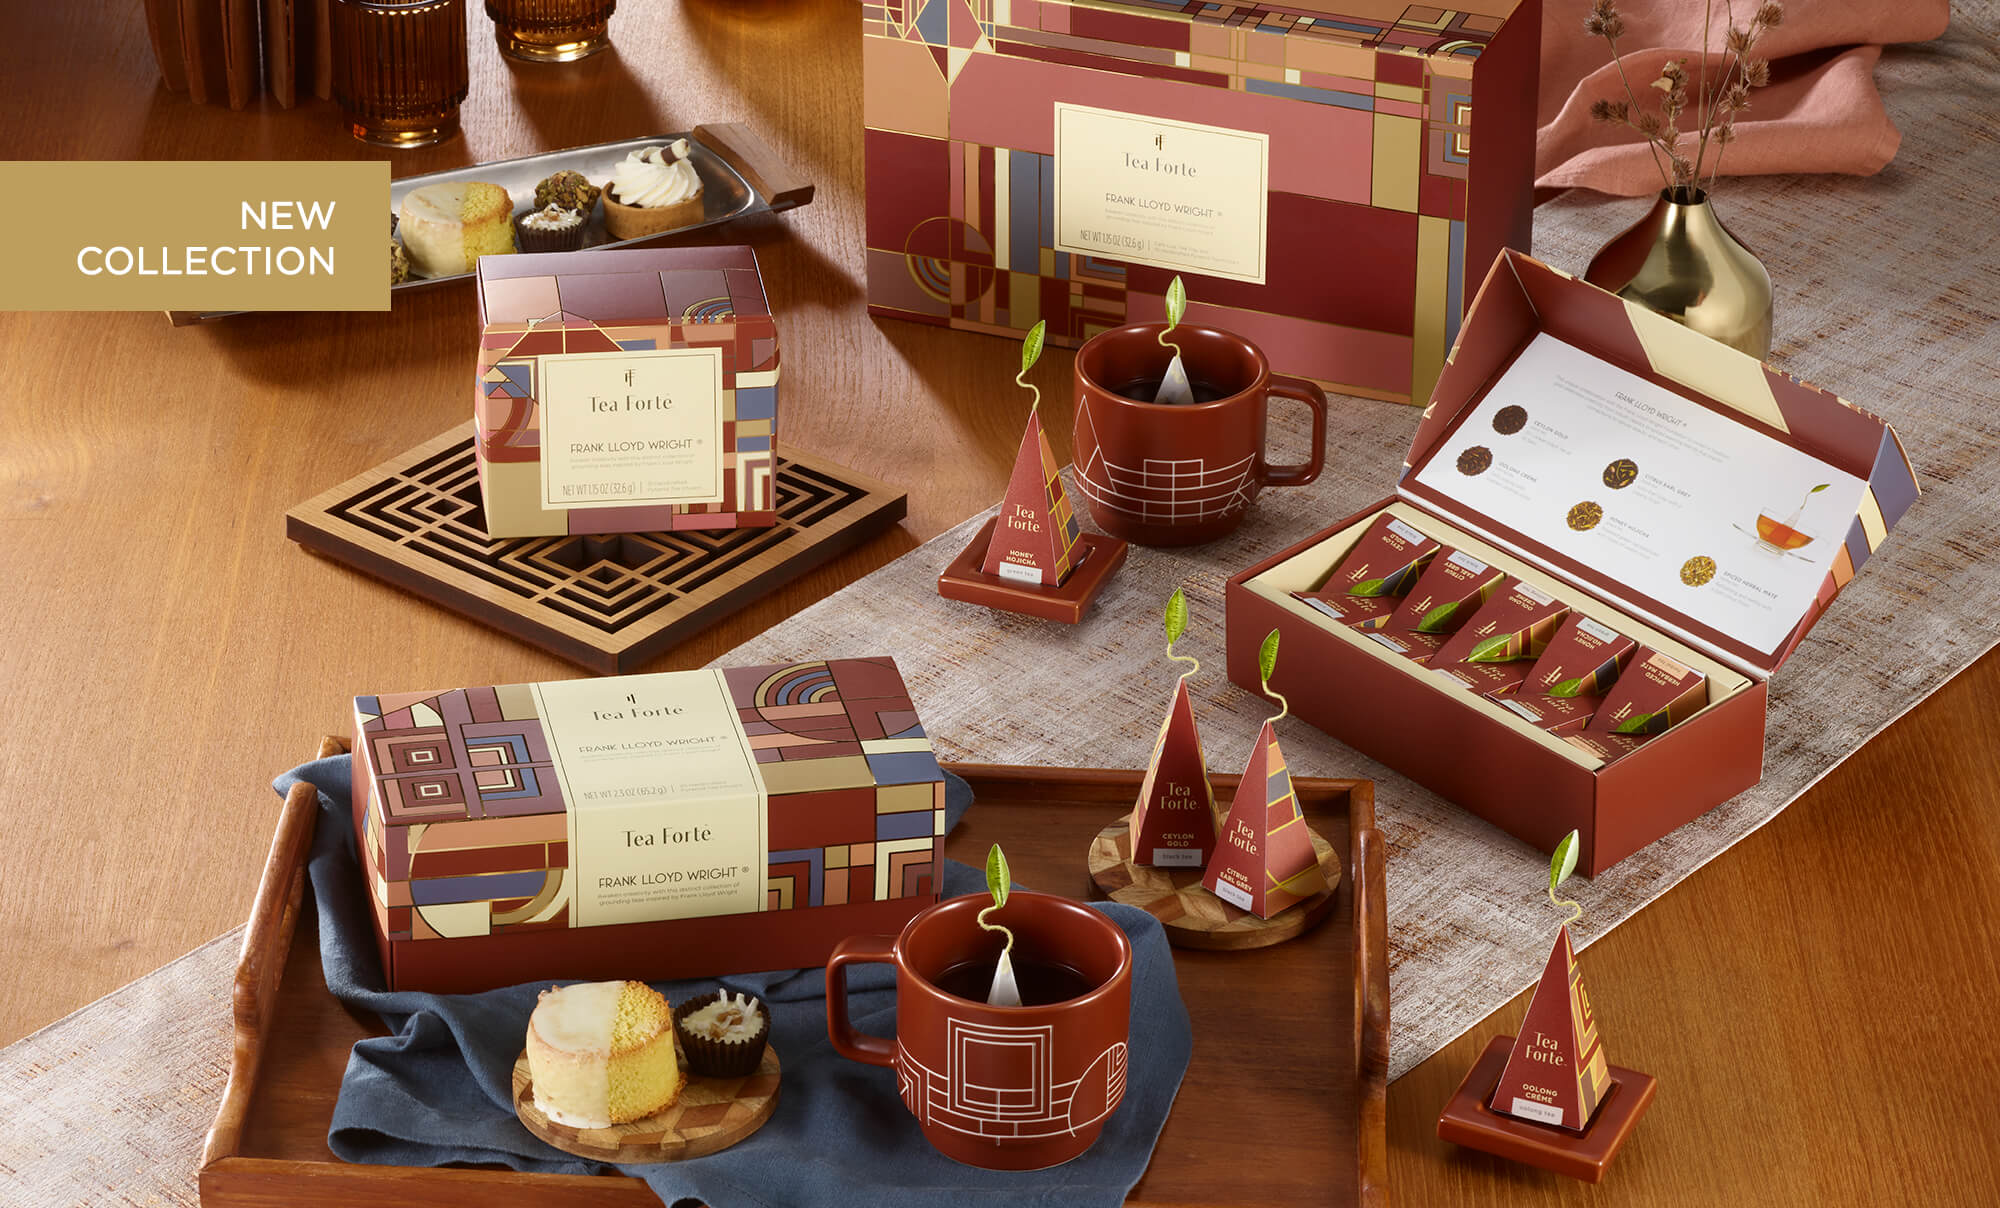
[{"x": 1662, "y": 495}]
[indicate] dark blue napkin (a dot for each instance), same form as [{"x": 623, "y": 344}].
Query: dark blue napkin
[{"x": 437, "y": 1089}]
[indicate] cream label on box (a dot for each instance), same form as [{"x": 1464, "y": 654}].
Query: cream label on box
[
  {"x": 629, "y": 429},
  {"x": 1170, "y": 194},
  {"x": 667, "y": 816},
  {"x": 1660, "y": 494}
]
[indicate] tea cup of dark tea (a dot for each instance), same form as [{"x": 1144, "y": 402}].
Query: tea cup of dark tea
[
  {"x": 1003, "y": 1088},
  {"x": 1181, "y": 474}
]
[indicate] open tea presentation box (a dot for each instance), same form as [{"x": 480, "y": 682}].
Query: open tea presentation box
[
  {"x": 1549, "y": 373},
  {"x": 683, "y": 824},
  {"x": 1329, "y": 177}
]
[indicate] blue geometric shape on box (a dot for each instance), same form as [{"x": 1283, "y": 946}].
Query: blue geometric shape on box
[
  {"x": 439, "y": 891},
  {"x": 756, "y": 402},
  {"x": 911, "y": 824},
  {"x": 638, "y": 345},
  {"x": 905, "y": 767},
  {"x": 816, "y": 858},
  {"x": 753, "y": 444},
  {"x": 520, "y": 376}
]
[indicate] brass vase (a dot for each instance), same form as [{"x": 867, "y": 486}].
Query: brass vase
[{"x": 1681, "y": 261}]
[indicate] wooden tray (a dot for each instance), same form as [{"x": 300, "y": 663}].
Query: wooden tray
[
  {"x": 608, "y": 603},
  {"x": 1283, "y": 1107}
]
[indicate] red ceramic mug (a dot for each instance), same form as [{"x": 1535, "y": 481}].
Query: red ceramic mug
[
  {"x": 1181, "y": 475},
  {"x": 1004, "y": 1088}
]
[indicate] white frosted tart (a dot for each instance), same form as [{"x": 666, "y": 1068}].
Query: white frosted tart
[{"x": 602, "y": 1053}]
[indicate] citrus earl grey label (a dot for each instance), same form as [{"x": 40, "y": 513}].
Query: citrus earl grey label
[
  {"x": 1173, "y": 195},
  {"x": 631, "y": 429},
  {"x": 666, "y": 810}
]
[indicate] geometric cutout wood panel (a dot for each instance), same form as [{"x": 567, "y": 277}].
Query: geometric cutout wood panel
[{"x": 608, "y": 603}]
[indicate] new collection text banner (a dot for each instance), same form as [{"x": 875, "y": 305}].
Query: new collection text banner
[{"x": 201, "y": 235}]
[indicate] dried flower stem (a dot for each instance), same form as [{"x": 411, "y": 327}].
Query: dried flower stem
[{"x": 1618, "y": 61}]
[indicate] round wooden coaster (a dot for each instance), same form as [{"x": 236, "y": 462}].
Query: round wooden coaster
[
  {"x": 1194, "y": 917},
  {"x": 711, "y": 1115}
]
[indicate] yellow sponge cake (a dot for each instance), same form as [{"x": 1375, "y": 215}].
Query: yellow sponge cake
[
  {"x": 447, "y": 227},
  {"x": 602, "y": 1053}
]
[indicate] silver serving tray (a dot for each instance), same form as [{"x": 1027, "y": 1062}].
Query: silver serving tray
[{"x": 739, "y": 176}]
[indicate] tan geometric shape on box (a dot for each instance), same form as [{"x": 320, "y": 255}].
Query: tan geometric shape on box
[
  {"x": 711, "y": 1115},
  {"x": 1194, "y": 917},
  {"x": 816, "y": 775}
]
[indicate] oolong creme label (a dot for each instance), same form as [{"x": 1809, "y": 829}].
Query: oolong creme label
[
  {"x": 1174, "y": 195},
  {"x": 630, "y": 429}
]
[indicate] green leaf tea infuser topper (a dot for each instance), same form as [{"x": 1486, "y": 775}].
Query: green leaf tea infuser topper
[
  {"x": 1031, "y": 351},
  {"x": 1177, "y": 620},
  {"x": 1006, "y": 992},
  {"x": 1561, "y": 865},
  {"x": 1175, "y": 388},
  {"x": 1267, "y": 663}
]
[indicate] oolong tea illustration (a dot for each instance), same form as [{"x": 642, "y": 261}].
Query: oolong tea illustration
[{"x": 1475, "y": 460}]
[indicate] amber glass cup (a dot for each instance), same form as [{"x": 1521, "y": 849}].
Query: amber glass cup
[
  {"x": 551, "y": 31},
  {"x": 399, "y": 69}
]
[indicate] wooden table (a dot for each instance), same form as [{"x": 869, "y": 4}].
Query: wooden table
[{"x": 1817, "y": 1004}]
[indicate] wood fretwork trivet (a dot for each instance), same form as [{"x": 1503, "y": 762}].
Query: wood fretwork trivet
[
  {"x": 1194, "y": 917},
  {"x": 608, "y": 603}
]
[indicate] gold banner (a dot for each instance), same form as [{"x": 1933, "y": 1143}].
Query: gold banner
[{"x": 198, "y": 235}]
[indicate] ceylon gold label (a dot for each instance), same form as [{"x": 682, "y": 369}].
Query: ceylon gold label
[
  {"x": 1174, "y": 195},
  {"x": 200, "y": 235}
]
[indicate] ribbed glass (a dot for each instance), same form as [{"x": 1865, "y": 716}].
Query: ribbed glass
[
  {"x": 399, "y": 69},
  {"x": 551, "y": 31}
]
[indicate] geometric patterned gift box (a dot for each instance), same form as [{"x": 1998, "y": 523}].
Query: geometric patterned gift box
[
  {"x": 1382, "y": 157},
  {"x": 635, "y": 300},
  {"x": 473, "y": 857}
]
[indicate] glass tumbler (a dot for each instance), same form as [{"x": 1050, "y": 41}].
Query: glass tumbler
[
  {"x": 551, "y": 31},
  {"x": 399, "y": 69}
]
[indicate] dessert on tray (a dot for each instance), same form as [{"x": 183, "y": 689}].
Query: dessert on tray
[
  {"x": 653, "y": 189},
  {"x": 723, "y": 1034},
  {"x": 567, "y": 190},
  {"x": 602, "y": 1053},
  {"x": 447, "y": 227},
  {"x": 551, "y": 229}
]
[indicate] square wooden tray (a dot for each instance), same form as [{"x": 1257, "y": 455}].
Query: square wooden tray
[
  {"x": 607, "y": 602},
  {"x": 1284, "y": 1100}
]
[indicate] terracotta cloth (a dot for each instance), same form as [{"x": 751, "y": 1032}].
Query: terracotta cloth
[{"x": 1820, "y": 113}]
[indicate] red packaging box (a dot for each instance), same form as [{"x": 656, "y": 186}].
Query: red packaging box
[
  {"x": 1530, "y": 783},
  {"x": 1329, "y": 178},
  {"x": 684, "y": 824},
  {"x": 632, "y": 390}
]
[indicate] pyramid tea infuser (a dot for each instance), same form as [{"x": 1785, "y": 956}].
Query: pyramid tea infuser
[
  {"x": 1173, "y": 824},
  {"x": 1034, "y": 557},
  {"x": 1264, "y": 861},
  {"x": 1548, "y": 1097}
]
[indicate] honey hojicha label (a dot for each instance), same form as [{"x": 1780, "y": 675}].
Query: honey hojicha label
[
  {"x": 1375, "y": 575},
  {"x": 1445, "y": 597},
  {"x": 1569, "y": 680},
  {"x": 1496, "y": 649}
]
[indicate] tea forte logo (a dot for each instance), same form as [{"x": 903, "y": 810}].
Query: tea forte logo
[{"x": 249, "y": 260}]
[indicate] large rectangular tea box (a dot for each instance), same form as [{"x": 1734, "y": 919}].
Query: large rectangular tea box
[
  {"x": 1328, "y": 177},
  {"x": 624, "y": 391},
  {"x": 1681, "y": 500},
  {"x": 688, "y": 823}
]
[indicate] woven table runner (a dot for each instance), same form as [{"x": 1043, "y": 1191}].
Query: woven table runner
[{"x": 1886, "y": 294}]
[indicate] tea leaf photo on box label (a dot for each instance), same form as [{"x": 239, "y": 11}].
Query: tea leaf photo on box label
[{"x": 1437, "y": 618}]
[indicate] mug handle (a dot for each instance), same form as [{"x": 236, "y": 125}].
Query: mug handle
[
  {"x": 1300, "y": 390},
  {"x": 853, "y": 1045}
]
